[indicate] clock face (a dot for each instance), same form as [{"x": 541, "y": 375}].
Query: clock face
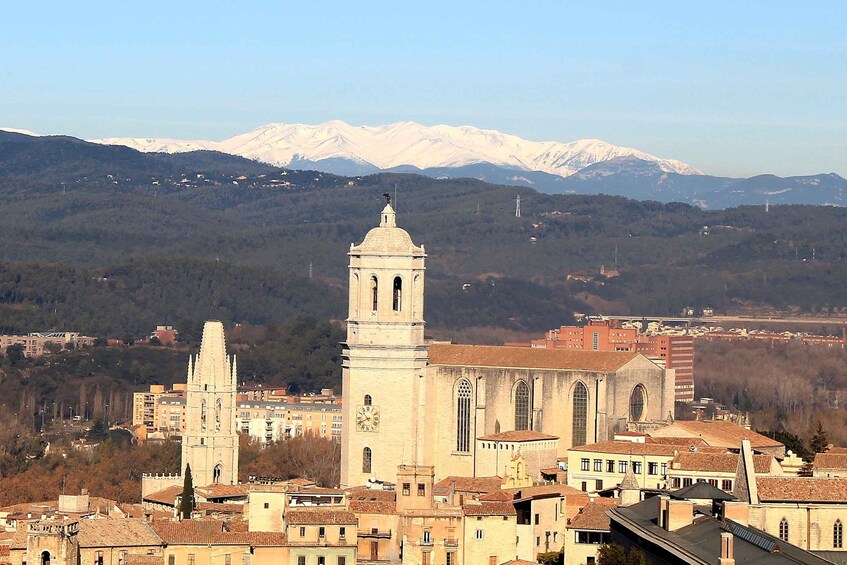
[{"x": 367, "y": 418}]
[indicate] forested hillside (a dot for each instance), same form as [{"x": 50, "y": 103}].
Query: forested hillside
[{"x": 111, "y": 241}]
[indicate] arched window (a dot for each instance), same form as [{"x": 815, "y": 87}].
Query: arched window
[
  {"x": 218, "y": 410},
  {"x": 374, "y": 293},
  {"x": 203, "y": 415},
  {"x": 783, "y": 529},
  {"x": 522, "y": 406},
  {"x": 397, "y": 303},
  {"x": 837, "y": 535},
  {"x": 45, "y": 558},
  {"x": 463, "y": 416},
  {"x": 636, "y": 404},
  {"x": 580, "y": 415},
  {"x": 367, "y": 458},
  {"x": 368, "y": 400},
  {"x": 216, "y": 473}
]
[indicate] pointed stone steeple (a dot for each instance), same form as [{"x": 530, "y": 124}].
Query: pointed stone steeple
[
  {"x": 745, "y": 488},
  {"x": 210, "y": 440},
  {"x": 630, "y": 491}
]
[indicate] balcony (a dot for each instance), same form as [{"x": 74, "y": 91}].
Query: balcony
[
  {"x": 366, "y": 561},
  {"x": 374, "y": 533},
  {"x": 427, "y": 542},
  {"x": 451, "y": 542}
]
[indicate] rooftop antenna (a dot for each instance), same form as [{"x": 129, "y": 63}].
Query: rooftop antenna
[
  {"x": 518, "y": 206},
  {"x": 310, "y": 269},
  {"x": 477, "y": 207},
  {"x": 616, "y": 257},
  {"x": 395, "y": 197},
  {"x": 767, "y": 206}
]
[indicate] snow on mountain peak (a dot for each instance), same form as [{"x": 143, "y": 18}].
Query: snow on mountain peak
[{"x": 406, "y": 143}]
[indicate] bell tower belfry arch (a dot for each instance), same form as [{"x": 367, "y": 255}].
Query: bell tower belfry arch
[{"x": 384, "y": 356}]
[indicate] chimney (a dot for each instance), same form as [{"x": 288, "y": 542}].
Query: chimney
[
  {"x": 737, "y": 511},
  {"x": 726, "y": 549}
]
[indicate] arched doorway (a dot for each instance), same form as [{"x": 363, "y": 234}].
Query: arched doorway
[{"x": 216, "y": 474}]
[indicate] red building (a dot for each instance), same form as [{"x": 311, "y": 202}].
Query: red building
[{"x": 676, "y": 351}]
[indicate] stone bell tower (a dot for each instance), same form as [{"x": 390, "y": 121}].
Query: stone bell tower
[
  {"x": 384, "y": 357},
  {"x": 210, "y": 441}
]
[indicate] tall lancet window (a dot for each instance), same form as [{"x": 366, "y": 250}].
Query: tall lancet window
[
  {"x": 580, "y": 414},
  {"x": 463, "y": 416},
  {"x": 374, "y": 293},
  {"x": 218, "y": 410},
  {"x": 837, "y": 535},
  {"x": 522, "y": 406},
  {"x": 203, "y": 415},
  {"x": 397, "y": 303},
  {"x": 367, "y": 460},
  {"x": 783, "y": 529}
]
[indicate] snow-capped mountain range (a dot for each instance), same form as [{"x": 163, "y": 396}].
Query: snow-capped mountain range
[{"x": 336, "y": 146}]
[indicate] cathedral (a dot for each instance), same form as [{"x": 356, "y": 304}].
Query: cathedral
[{"x": 457, "y": 407}]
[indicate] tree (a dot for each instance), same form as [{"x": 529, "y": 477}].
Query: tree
[
  {"x": 614, "y": 554},
  {"x": 819, "y": 441},
  {"x": 186, "y": 502},
  {"x": 15, "y": 354}
]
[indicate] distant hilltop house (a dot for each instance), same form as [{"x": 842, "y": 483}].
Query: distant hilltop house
[
  {"x": 38, "y": 343},
  {"x": 165, "y": 334}
]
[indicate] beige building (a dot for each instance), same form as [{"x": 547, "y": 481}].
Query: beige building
[
  {"x": 410, "y": 402},
  {"x": 37, "y": 344},
  {"x": 717, "y": 469},
  {"x": 587, "y": 531},
  {"x": 719, "y": 433},
  {"x": 603, "y": 465},
  {"x": 105, "y": 541}
]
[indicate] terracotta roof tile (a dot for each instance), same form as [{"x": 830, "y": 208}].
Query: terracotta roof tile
[
  {"x": 123, "y": 532},
  {"x": 541, "y": 491},
  {"x": 718, "y": 462},
  {"x": 188, "y": 531},
  {"x": 518, "y": 435},
  {"x": 718, "y": 433},
  {"x": 371, "y": 501},
  {"x": 319, "y": 517},
  {"x": 223, "y": 491},
  {"x": 477, "y": 485},
  {"x": 624, "y": 447},
  {"x": 523, "y": 357},
  {"x": 165, "y": 496},
  {"x": 830, "y": 460},
  {"x": 488, "y": 508},
  {"x": 684, "y": 441},
  {"x": 802, "y": 489},
  {"x": 593, "y": 515},
  {"x": 213, "y": 532}
]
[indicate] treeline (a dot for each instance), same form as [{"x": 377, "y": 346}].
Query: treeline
[
  {"x": 113, "y": 469},
  {"x": 786, "y": 387}
]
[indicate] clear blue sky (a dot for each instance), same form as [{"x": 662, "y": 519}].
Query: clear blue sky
[{"x": 734, "y": 88}]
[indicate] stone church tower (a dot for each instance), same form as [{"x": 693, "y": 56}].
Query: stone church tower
[
  {"x": 210, "y": 441},
  {"x": 384, "y": 357}
]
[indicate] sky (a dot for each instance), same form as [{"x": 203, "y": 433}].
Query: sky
[{"x": 733, "y": 88}]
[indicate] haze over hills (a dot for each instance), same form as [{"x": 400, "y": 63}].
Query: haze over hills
[{"x": 368, "y": 149}]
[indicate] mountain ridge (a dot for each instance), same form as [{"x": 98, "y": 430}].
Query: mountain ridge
[{"x": 404, "y": 144}]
